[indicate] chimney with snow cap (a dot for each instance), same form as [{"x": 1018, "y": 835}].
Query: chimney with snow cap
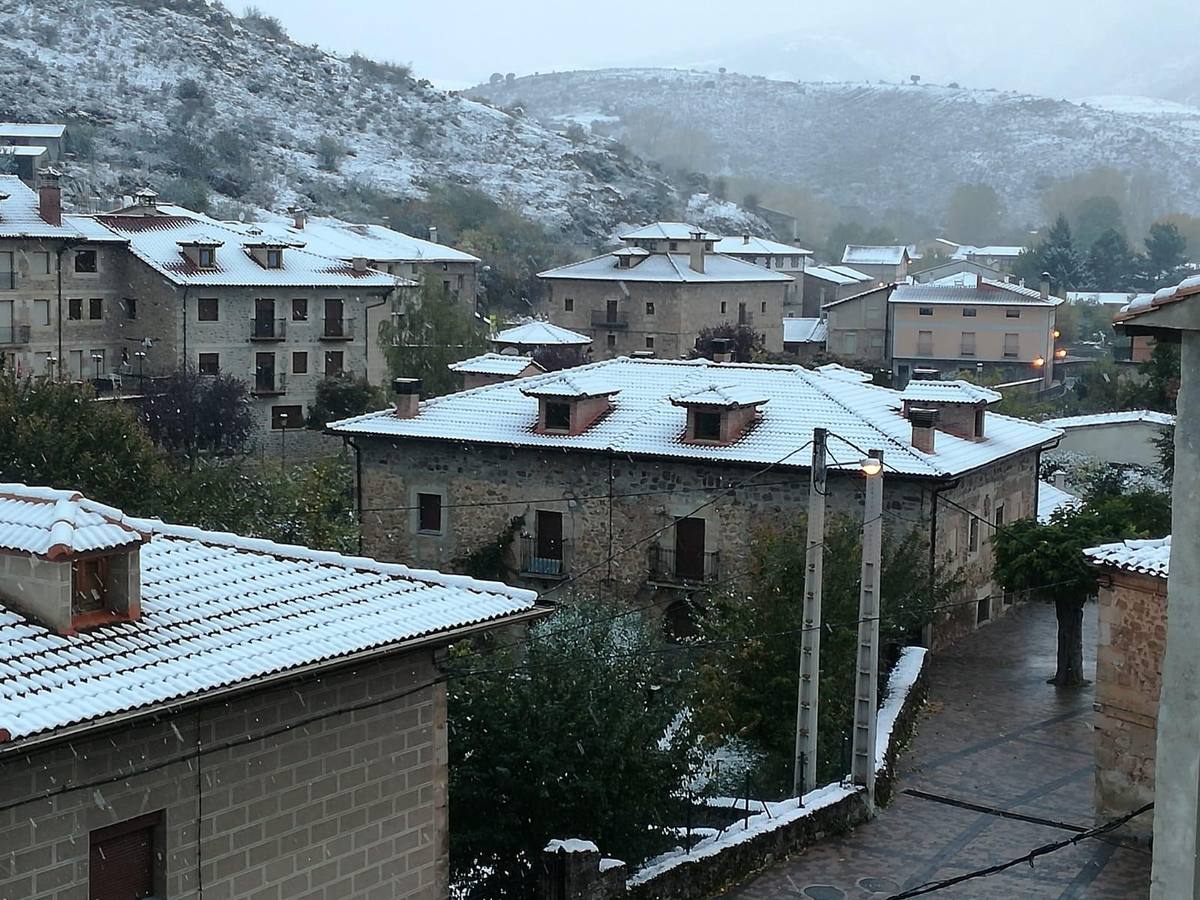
[
  {"x": 745, "y": 237},
  {"x": 359, "y": 263},
  {"x": 50, "y": 196},
  {"x": 408, "y": 397},
  {"x": 299, "y": 217},
  {"x": 1045, "y": 285},
  {"x": 924, "y": 422},
  {"x": 722, "y": 352},
  {"x": 696, "y": 263},
  {"x": 433, "y": 234}
]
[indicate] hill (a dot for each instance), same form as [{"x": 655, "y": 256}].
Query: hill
[
  {"x": 187, "y": 95},
  {"x": 878, "y": 147}
]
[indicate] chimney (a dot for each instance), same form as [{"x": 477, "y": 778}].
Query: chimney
[
  {"x": 923, "y": 428},
  {"x": 359, "y": 263},
  {"x": 50, "y": 196},
  {"x": 146, "y": 197},
  {"x": 978, "y": 281},
  {"x": 1060, "y": 480},
  {"x": 697, "y": 256},
  {"x": 299, "y": 217},
  {"x": 746, "y": 237},
  {"x": 721, "y": 351},
  {"x": 408, "y": 396},
  {"x": 433, "y": 234},
  {"x": 1045, "y": 285}
]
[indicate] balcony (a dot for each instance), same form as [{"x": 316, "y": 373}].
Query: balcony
[
  {"x": 601, "y": 318},
  {"x": 667, "y": 567},
  {"x": 268, "y": 329},
  {"x": 338, "y": 328},
  {"x": 548, "y": 563},
  {"x": 269, "y": 384},
  {"x": 15, "y": 335}
]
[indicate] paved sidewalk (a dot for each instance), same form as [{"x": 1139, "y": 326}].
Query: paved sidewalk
[{"x": 994, "y": 733}]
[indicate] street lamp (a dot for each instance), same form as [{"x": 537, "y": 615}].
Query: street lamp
[
  {"x": 97, "y": 358},
  {"x": 871, "y": 466},
  {"x": 51, "y": 362},
  {"x": 140, "y": 355},
  {"x": 1039, "y": 361}
]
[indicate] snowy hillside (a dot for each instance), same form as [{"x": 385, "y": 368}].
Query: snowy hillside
[
  {"x": 880, "y": 146},
  {"x": 262, "y": 108}
]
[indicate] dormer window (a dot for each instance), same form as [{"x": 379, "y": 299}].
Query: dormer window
[
  {"x": 205, "y": 257},
  {"x": 706, "y": 426},
  {"x": 89, "y": 585},
  {"x": 200, "y": 253},
  {"x": 558, "y": 417},
  {"x": 719, "y": 415},
  {"x": 623, "y": 262},
  {"x": 274, "y": 258},
  {"x": 569, "y": 404}
]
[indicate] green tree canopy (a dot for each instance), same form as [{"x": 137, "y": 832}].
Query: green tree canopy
[
  {"x": 1166, "y": 252},
  {"x": 434, "y": 331},
  {"x": 1111, "y": 264},
  {"x": 1094, "y": 216},
  {"x": 188, "y": 413}
]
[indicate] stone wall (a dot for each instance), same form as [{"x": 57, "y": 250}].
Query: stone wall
[
  {"x": 348, "y": 806},
  {"x": 1132, "y": 639}
]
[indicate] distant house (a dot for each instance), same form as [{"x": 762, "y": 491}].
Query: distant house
[
  {"x": 956, "y": 268},
  {"x": 825, "y": 284},
  {"x": 1117, "y": 437},
  {"x": 859, "y": 326},
  {"x": 771, "y": 255},
  {"x": 185, "y": 708},
  {"x": 1127, "y": 349},
  {"x": 661, "y": 288},
  {"x": 1129, "y": 661},
  {"x": 47, "y": 135},
  {"x": 492, "y": 368},
  {"x": 884, "y": 264},
  {"x": 804, "y": 337},
  {"x": 993, "y": 256},
  {"x": 535, "y": 334}
]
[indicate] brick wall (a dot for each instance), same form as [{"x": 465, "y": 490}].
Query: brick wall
[
  {"x": 350, "y": 806},
  {"x": 1132, "y": 638}
]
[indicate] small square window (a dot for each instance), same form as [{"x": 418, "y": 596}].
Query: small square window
[
  {"x": 85, "y": 261},
  {"x": 674, "y": 246},
  {"x": 287, "y": 416},
  {"x": 1012, "y": 314},
  {"x": 75, "y": 309},
  {"x": 274, "y": 259},
  {"x": 205, "y": 257},
  {"x": 569, "y": 304},
  {"x": 300, "y": 310},
  {"x": 558, "y": 417},
  {"x": 130, "y": 304},
  {"x": 209, "y": 364},
  {"x": 649, "y": 307},
  {"x": 649, "y": 342},
  {"x": 429, "y": 513},
  {"x": 968, "y": 312},
  {"x": 300, "y": 362},
  {"x": 96, "y": 308},
  {"x": 706, "y": 426},
  {"x": 206, "y": 309},
  {"x": 925, "y": 310}
]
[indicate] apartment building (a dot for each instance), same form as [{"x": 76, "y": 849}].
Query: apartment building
[
  {"x": 187, "y": 713},
  {"x": 884, "y": 264},
  {"x": 773, "y": 255},
  {"x": 660, "y": 289},
  {"x": 640, "y": 476}
]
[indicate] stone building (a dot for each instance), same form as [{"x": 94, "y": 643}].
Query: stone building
[
  {"x": 773, "y": 255},
  {"x": 1129, "y": 659},
  {"x": 884, "y": 264},
  {"x": 660, "y": 289},
  {"x": 191, "y": 714},
  {"x": 1129, "y": 436},
  {"x": 646, "y": 478},
  {"x": 858, "y": 327}
]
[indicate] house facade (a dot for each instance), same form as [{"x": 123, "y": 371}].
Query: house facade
[
  {"x": 884, "y": 264},
  {"x": 1129, "y": 658},
  {"x": 859, "y": 327},
  {"x": 194, "y": 714},
  {"x": 644, "y": 478},
  {"x": 660, "y": 289},
  {"x": 773, "y": 255},
  {"x": 825, "y": 284}
]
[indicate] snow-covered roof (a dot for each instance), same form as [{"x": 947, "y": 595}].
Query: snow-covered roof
[
  {"x": 20, "y": 216},
  {"x": 948, "y": 392},
  {"x": 731, "y": 396},
  {"x": 644, "y": 421},
  {"x": 988, "y": 292},
  {"x": 156, "y": 240},
  {"x": 998, "y": 251},
  {"x": 1108, "y": 298},
  {"x": 669, "y": 231},
  {"x": 1144, "y": 303},
  {"x": 58, "y": 524},
  {"x": 537, "y": 333},
  {"x": 837, "y": 274},
  {"x": 667, "y": 267},
  {"x": 1147, "y": 416},
  {"x": 1149, "y": 557},
  {"x": 494, "y": 364},
  {"x": 573, "y": 385},
  {"x": 20, "y": 150},
  {"x": 839, "y": 372},
  {"x": 804, "y": 331},
  {"x": 43, "y": 130},
  {"x": 218, "y": 610},
  {"x": 749, "y": 245},
  {"x": 92, "y": 231},
  {"x": 865, "y": 255},
  {"x": 1051, "y": 499}
]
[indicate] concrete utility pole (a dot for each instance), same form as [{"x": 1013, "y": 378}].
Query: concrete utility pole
[
  {"x": 866, "y": 682},
  {"x": 808, "y": 695}
]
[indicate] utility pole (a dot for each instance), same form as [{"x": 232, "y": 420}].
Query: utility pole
[
  {"x": 866, "y": 682},
  {"x": 808, "y": 693}
]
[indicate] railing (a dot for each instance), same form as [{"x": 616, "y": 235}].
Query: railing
[
  {"x": 337, "y": 328},
  {"x": 602, "y": 319},
  {"x": 667, "y": 567},
  {"x": 15, "y": 335},
  {"x": 550, "y": 562},
  {"x": 269, "y": 383},
  {"x": 268, "y": 329}
]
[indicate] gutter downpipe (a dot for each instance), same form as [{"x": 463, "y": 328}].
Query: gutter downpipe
[{"x": 367, "y": 335}]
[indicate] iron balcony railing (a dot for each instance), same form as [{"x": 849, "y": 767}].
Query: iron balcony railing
[
  {"x": 601, "y": 318},
  {"x": 268, "y": 382},
  {"x": 337, "y": 328},
  {"x": 268, "y": 329},
  {"x": 669, "y": 567},
  {"x": 546, "y": 561},
  {"x": 15, "y": 335}
]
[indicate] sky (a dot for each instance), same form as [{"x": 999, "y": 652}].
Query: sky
[{"x": 1055, "y": 47}]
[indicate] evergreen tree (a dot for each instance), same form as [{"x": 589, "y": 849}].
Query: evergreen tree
[
  {"x": 1166, "y": 251},
  {"x": 1095, "y": 216},
  {"x": 1057, "y": 255},
  {"x": 1111, "y": 264}
]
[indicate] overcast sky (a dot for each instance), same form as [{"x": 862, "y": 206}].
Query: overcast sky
[{"x": 1067, "y": 47}]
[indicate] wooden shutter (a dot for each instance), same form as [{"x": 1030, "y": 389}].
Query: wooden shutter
[{"x": 122, "y": 860}]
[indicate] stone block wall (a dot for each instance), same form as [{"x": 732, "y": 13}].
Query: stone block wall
[{"x": 352, "y": 805}]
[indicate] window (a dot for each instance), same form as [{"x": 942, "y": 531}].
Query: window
[
  {"x": 983, "y": 610},
  {"x": 1012, "y": 346},
  {"x": 649, "y": 342},
  {"x": 707, "y": 426},
  {"x": 925, "y": 310},
  {"x": 274, "y": 258},
  {"x": 743, "y": 319},
  {"x": 1012, "y": 314},
  {"x": 209, "y": 364},
  {"x": 568, "y": 304},
  {"x": 126, "y": 860},
  {"x": 130, "y": 304},
  {"x": 89, "y": 585},
  {"x": 623, "y": 262},
  {"x": 41, "y": 312},
  {"x": 97, "y": 357},
  {"x": 85, "y": 261},
  {"x": 967, "y": 345},
  {"x": 724, "y": 307},
  {"x": 461, "y": 283},
  {"x": 850, "y": 342},
  {"x": 205, "y": 257},
  {"x": 446, "y": 287},
  {"x": 1000, "y": 514},
  {"x": 968, "y": 312},
  {"x": 764, "y": 306},
  {"x": 75, "y": 309},
  {"x": 649, "y": 307},
  {"x": 795, "y": 262},
  {"x": 611, "y": 340},
  {"x": 558, "y": 417},
  {"x": 96, "y": 308},
  {"x": 429, "y": 513},
  {"x": 674, "y": 246},
  {"x": 77, "y": 364},
  {"x": 8, "y": 271},
  {"x": 41, "y": 262},
  {"x": 206, "y": 308},
  {"x": 415, "y": 270},
  {"x": 973, "y": 535},
  {"x": 300, "y": 310},
  {"x": 924, "y": 343},
  {"x": 300, "y": 362},
  {"x": 979, "y": 423},
  {"x": 287, "y": 416},
  {"x": 334, "y": 363}
]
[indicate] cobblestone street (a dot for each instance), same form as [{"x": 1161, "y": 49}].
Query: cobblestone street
[{"x": 993, "y": 733}]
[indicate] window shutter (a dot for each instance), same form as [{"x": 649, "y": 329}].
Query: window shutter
[{"x": 122, "y": 866}]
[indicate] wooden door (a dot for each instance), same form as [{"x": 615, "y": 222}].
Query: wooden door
[
  {"x": 264, "y": 318},
  {"x": 333, "y": 318},
  {"x": 689, "y": 549},
  {"x": 549, "y": 535}
]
